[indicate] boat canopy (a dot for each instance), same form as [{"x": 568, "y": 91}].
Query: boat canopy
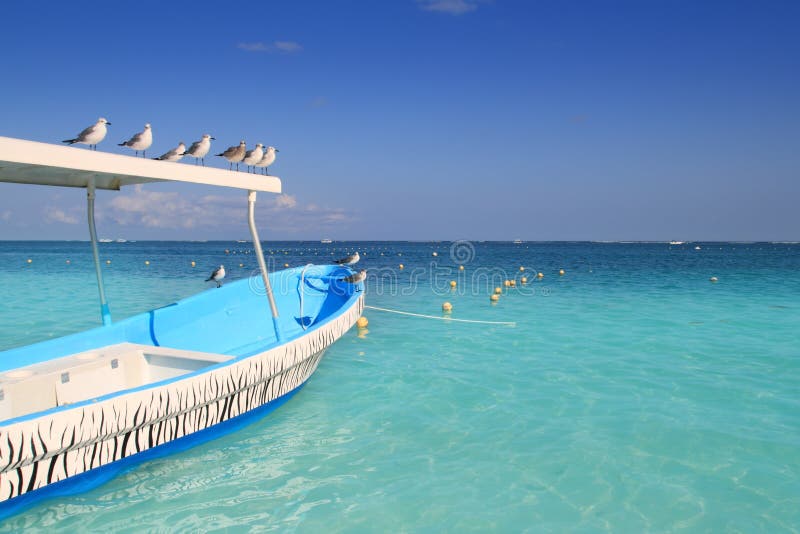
[{"x": 31, "y": 162}]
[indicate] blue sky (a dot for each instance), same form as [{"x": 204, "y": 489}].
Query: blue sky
[{"x": 423, "y": 119}]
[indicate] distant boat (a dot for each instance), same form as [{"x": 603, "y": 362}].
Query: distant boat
[
  {"x": 122, "y": 240},
  {"x": 518, "y": 241},
  {"x": 326, "y": 241},
  {"x": 106, "y": 240},
  {"x": 677, "y": 242},
  {"x": 697, "y": 247}
]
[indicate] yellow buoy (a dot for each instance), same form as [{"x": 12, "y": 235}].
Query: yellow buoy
[
  {"x": 494, "y": 298},
  {"x": 447, "y": 307},
  {"x": 498, "y": 290},
  {"x": 507, "y": 283},
  {"x": 147, "y": 262},
  {"x": 108, "y": 262},
  {"x": 435, "y": 254},
  {"x": 193, "y": 264},
  {"x": 286, "y": 265},
  {"x": 362, "y": 322},
  {"x": 460, "y": 267},
  {"x": 402, "y": 266},
  {"x": 512, "y": 283},
  {"x": 523, "y": 280},
  {"x": 67, "y": 262},
  {"x": 227, "y": 251},
  {"x": 453, "y": 283},
  {"x": 561, "y": 272},
  {"x": 30, "y": 260},
  {"x": 521, "y": 269},
  {"x": 241, "y": 265},
  {"x": 713, "y": 279},
  {"x": 540, "y": 275}
]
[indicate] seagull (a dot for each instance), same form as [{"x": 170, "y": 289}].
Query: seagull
[
  {"x": 349, "y": 260},
  {"x": 140, "y": 141},
  {"x": 91, "y": 135},
  {"x": 217, "y": 275},
  {"x": 175, "y": 154},
  {"x": 235, "y": 154},
  {"x": 253, "y": 156},
  {"x": 356, "y": 278},
  {"x": 199, "y": 149},
  {"x": 268, "y": 159}
]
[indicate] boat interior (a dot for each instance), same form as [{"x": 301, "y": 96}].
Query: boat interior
[{"x": 210, "y": 328}]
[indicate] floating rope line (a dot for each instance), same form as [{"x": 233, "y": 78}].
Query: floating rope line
[{"x": 502, "y": 323}]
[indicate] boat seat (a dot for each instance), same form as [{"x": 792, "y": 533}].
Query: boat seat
[{"x": 95, "y": 373}]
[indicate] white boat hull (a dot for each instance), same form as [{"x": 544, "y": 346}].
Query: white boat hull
[{"x": 59, "y": 445}]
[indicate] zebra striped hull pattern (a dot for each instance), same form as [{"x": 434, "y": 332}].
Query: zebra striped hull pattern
[{"x": 53, "y": 447}]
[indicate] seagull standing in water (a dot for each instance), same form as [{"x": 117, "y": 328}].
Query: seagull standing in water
[
  {"x": 235, "y": 154},
  {"x": 175, "y": 154},
  {"x": 349, "y": 260},
  {"x": 253, "y": 156},
  {"x": 199, "y": 149},
  {"x": 268, "y": 159},
  {"x": 217, "y": 275},
  {"x": 91, "y": 135},
  {"x": 140, "y": 141}
]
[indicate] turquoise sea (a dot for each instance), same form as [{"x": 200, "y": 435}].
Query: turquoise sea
[{"x": 633, "y": 394}]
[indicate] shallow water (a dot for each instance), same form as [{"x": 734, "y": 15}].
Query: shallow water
[{"x": 632, "y": 395}]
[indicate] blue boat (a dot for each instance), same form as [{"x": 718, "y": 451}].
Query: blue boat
[{"x": 75, "y": 411}]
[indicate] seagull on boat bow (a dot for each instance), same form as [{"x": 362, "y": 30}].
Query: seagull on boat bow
[
  {"x": 199, "y": 149},
  {"x": 217, "y": 275},
  {"x": 356, "y": 278},
  {"x": 349, "y": 260},
  {"x": 91, "y": 135},
  {"x": 140, "y": 141},
  {"x": 235, "y": 154}
]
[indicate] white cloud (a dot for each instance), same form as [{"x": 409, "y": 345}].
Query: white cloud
[
  {"x": 285, "y": 201},
  {"x": 452, "y": 7},
  {"x": 287, "y": 47},
  {"x": 319, "y": 102},
  {"x": 252, "y": 47},
  {"x": 155, "y": 209},
  {"x": 56, "y": 215}
]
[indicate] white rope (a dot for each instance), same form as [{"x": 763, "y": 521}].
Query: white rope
[{"x": 503, "y": 323}]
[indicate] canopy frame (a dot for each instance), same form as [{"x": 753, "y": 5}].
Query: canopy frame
[{"x": 31, "y": 162}]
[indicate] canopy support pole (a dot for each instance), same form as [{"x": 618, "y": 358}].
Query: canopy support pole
[
  {"x": 251, "y": 205},
  {"x": 105, "y": 313}
]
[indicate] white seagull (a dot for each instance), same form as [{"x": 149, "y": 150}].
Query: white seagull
[
  {"x": 268, "y": 159},
  {"x": 199, "y": 149},
  {"x": 140, "y": 141},
  {"x": 253, "y": 156},
  {"x": 349, "y": 260},
  {"x": 217, "y": 275},
  {"x": 91, "y": 135},
  {"x": 235, "y": 154},
  {"x": 175, "y": 154}
]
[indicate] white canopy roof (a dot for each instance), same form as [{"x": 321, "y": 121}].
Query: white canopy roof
[{"x": 30, "y": 162}]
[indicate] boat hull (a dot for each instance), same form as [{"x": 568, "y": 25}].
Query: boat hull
[{"x": 56, "y": 446}]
